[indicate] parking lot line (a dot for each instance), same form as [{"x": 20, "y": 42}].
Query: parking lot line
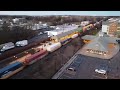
[{"x": 99, "y": 77}]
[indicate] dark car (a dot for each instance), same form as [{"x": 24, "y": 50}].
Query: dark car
[{"x": 118, "y": 41}]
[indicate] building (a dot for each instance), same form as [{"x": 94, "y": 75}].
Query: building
[
  {"x": 105, "y": 27},
  {"x": 111, "y": 26},
  {"x": 65, "y": 35},
  {"x": 100, "y": 46},
  {"x": 61, "y": 29},
  {"x": 84, "y": 23}
]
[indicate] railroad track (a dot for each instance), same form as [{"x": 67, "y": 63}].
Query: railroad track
[
  {"x": 35, "y": 44},
  {"x": 6, "y": 61},
  {"x": 15, "y": 51}
]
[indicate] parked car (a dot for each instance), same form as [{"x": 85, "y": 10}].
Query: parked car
[
  {"x": 102, "y": 69},
  {"x": 118, "y": 41},
  {"x": 7, "y": 46},
  {"x": 22, "y": 43},
  {"x": 71, "y": 69}
]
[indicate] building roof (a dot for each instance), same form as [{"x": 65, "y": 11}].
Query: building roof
[
  {"x": 106, "y": 38},
  {"x": 65, "y": 33},
  {"x": 88, "y": 37},
  {"x": 109, "y": 22},
  {"x": 105, "y": 23},
  {"x": 99, "y": 44}
]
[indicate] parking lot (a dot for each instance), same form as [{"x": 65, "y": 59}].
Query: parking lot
[{"x": 86, "y": 68}]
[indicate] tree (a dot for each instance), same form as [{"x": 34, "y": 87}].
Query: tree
[{"x": 5, "y": 26}]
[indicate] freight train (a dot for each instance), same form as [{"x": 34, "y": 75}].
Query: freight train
[{"x": 42, "y": 50}]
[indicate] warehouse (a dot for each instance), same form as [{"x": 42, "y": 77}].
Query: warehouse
[
  {"x": 61, "y": 29},
  {"x": 64, "y": 35}
]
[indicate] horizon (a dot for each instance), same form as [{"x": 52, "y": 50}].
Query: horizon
[{"x": 49, "y": 13}]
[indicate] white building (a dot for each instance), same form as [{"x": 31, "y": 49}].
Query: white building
[
  {"x": 15, "y": 20},
  {"x": 105, "y": 27},
  {"x": 83, "y": 23},
  {"x": 61, "y": 29}
]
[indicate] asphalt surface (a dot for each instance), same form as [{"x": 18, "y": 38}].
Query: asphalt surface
[
  {"x": 35, "y": 38},
  {"x": 38, "y": 38},
  {"x": 85, "y": 68}
]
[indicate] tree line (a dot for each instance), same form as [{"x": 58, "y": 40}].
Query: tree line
[{"x": 17, "y": 33}]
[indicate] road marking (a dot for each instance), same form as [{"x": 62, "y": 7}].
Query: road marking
[{"x": 99, "y": 77}]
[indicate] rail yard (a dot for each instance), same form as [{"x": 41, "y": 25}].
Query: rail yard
[{"x": 21, "y": 61}]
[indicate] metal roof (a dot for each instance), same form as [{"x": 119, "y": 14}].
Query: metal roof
[{"x": 65, "y": 33}]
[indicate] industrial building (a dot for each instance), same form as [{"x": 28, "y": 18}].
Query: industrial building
[
  {"x": 61, "y": 29},
  {"x": 65, "y": 35}
]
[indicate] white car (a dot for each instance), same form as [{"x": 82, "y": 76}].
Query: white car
[
  {"x": 100, "y": 71},
  {"x": 22, "y": 43},
  {"x": 40, "y": 33}
]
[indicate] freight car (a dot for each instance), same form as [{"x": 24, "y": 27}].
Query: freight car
[
  {"x": 88, "y": 27},
  {"x": 53, "y": 47},
  {"x": 35, "y": 57},
  {"x": 74, "y": 36},
  {"x": 42, "y": 51},
  {"x": 66, "y": 41},
  {"x": 22, "y": 59},
  {"x": 10, "y": 70}
]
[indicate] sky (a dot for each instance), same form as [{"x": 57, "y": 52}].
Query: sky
[{"x": 40, "y": 13}]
